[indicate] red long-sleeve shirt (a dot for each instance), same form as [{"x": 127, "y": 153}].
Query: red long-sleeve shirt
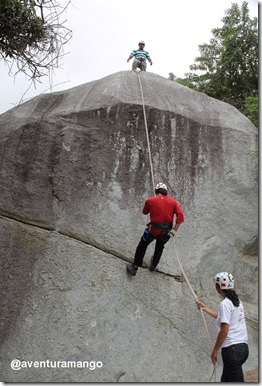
[{"x": 162, "y": 210}]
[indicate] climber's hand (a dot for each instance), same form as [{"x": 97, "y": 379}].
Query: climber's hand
[
  {"x": 172, "y": 233},
  {"x": 200, "y": 305},
  {"x": 214, "y": 357}
]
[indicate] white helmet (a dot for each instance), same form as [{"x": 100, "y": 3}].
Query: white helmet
[
  {"x": 160, "y": 185},
  {"x": 225, "y": 280},
  {"x": 141, "y": 42}
]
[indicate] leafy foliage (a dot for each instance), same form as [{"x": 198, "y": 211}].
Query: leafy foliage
[
  {"x": 227, "y": 68},
  {"x": 31, "y": 35},
  {"x": 252, "y": 109}
]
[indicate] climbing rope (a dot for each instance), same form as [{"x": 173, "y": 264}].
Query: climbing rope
[
  {"x": 147, "y": 135},
  {"x": 202, "y": 312},
  {"x": 179, "y": 262}
]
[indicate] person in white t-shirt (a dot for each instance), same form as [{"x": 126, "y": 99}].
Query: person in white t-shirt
[{"x": 232, "y": 336}]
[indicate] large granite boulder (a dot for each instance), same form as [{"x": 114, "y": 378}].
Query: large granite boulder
[{"x": 74, "y": 176}]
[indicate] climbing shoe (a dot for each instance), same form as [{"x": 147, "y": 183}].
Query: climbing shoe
[
  {"x": 152, "y": 266},
  {"x": 131, "y": 270}
]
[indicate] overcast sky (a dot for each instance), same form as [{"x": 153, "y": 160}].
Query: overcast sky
[{"x": 106, "y": 31}]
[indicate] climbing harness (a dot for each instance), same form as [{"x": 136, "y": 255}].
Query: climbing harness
[
  {"x": 179, "y": 262},
  {"x": 164, "y": 226}
]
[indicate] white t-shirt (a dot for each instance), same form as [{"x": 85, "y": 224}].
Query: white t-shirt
[{"x": 235, "y": 317}]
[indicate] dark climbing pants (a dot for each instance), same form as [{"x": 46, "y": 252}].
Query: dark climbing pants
[
  {"x": 146, "y": 239},
  {"x": 233, "y": 358}
]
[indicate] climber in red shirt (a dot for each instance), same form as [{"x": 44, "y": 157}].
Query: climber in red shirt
[{"x": 162, "y": 209}]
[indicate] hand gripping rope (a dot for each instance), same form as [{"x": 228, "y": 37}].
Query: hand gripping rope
[{"x": 179, "y": 262}]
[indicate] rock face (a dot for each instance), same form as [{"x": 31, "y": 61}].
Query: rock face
[{"x": 74, "y": 176}]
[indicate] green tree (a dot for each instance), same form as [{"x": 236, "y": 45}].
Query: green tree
[
  {"x": 31, "y": 35},
  {"x": 184, "y": 82},
  {"x": 252, "y": 109},
  {"x": 227, "y": 68}
]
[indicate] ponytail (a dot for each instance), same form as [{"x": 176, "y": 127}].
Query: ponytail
[{"x": 231, "y": 295}]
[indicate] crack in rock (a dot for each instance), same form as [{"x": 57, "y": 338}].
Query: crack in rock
[{"x": 13, "y": 217}]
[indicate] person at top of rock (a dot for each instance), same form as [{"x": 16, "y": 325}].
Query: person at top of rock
[
  {"x": 232, "y": 336},
  {"x": 140, "y": 56},
  {"x": 162, "y": 209}
]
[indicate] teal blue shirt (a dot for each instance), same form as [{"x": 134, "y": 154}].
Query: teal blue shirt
[{"x": 140, "y": 54}]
